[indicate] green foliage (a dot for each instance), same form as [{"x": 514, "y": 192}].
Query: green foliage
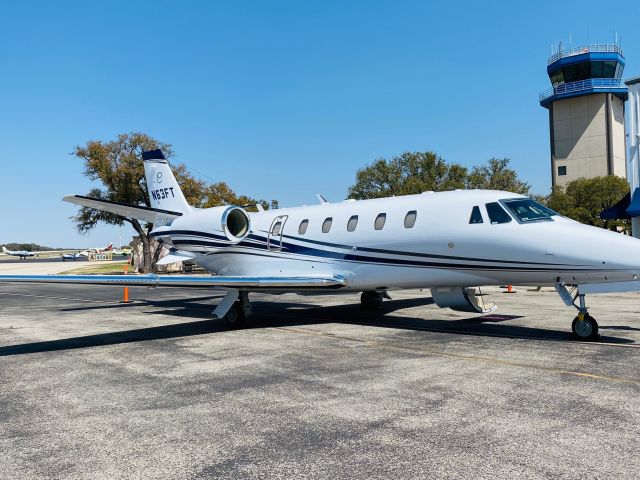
[
  {"x": 416, "y": 172},
  {"x": 583, "y": 200},
  {"x": 496, "y": 175},
  {"x": 409, "y": 173}
]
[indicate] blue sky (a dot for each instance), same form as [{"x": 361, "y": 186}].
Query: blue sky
[{"x": 280, "y": 99}]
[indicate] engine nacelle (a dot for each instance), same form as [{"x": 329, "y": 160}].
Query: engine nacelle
[
  {"x": 234, "y": 221},
  {"x": 462, "y": 299}
]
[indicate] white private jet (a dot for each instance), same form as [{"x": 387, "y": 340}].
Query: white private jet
[
  {"x": 22, "y": 254},
  {"x": 447, "y": 241}
]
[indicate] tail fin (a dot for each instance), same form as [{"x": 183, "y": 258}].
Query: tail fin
[
  {"x": 109, "y": 247},
  {"x": 164, "y": 191},
  {"x": 4, "y": 249}
]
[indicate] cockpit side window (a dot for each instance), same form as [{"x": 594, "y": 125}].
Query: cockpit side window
[
  {"x": 497, "y": 214},
  {"x": 527, "y": 210},
  {"x": 476, "y": 216}
]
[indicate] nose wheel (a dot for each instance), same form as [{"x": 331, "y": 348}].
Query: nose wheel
[{"x": 585, "y": 327}]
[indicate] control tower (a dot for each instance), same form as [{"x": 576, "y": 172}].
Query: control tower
[{"x": 586, "y": 112}]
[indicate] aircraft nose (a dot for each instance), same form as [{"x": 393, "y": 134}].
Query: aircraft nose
[{"x": 623, "y": 252}]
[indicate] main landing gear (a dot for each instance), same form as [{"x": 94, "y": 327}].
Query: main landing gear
[
  {"x": 584, "y": 326},
  {"x": 372, "y": 300},
  {"x": 234, "y": 308}
]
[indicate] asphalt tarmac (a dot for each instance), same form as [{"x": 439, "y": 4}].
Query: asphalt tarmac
[{"x": 313, "y": 387}]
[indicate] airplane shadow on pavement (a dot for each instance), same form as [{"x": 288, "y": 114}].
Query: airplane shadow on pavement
[{"x": 287, "y": 314}]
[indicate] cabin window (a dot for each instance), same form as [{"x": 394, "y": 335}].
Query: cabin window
[
  {"x": 380, "y": 219},
  {"x": 302, "y": 229},
  {"x": 352, "y": 223},
  {"x": 410, "y": 219},
  {"x": 276, "y": 228},
  {"x": 326, "y": 225},
  {"x": 497, "y": 213},
  {"x": 476, "y": 216}
]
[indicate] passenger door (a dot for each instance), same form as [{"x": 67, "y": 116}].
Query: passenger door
[{"x": 274, "y": 240}]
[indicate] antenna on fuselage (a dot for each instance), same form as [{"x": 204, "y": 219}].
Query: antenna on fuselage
[{"x": 321, "y": 199}]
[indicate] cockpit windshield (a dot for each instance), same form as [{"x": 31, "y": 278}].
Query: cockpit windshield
[{"x": 527, "y": 210}]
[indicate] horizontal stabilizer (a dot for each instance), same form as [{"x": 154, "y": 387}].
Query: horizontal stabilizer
[
  {"x": 211, "y": 281},
  {"x": 153, "y": 215}
]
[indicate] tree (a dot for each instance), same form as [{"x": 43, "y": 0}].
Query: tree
[
  {"x": 411, "y": 172},
  {"x": 496, "y": 175},
  {"x": 118, "y": 166},
  {"x": 422, "y": 171},
  {"x": 583, "y": 200}
]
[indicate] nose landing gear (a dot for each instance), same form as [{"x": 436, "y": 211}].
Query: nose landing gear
[{"x": 584, "y": 326}]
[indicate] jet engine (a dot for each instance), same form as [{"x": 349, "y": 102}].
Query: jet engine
[
  {"x": 234, "y": 221},
  {"x": 462, "y": 299}
]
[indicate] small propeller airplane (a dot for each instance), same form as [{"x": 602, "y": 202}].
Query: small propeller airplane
[
  {"x": 449, "y": 242},
  {"x": 22, "y": 254},
  {"x": 73, "y": 256}
]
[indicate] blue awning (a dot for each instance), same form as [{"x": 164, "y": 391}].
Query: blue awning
[
  {"x": 617, "y": 211},
  {"x": 634, "y": 206}
]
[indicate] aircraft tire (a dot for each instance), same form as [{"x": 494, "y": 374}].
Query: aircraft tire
[
  {"x": 586, "y": 329},
  {"x": 371, "y": 300},
  {"x": 235, "y": 317}
]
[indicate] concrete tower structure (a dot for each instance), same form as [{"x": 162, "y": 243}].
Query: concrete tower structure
[{"x": 586, "y": 112}]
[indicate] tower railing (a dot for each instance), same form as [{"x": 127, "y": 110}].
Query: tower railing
[
  {"x": 582, "y": 85},
  {"x": 596, "y": 48}
]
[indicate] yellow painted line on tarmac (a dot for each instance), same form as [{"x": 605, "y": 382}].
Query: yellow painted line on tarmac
[{"x": 461, "y": 356}]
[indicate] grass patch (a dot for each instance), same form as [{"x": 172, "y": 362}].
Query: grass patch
[{"x": 117, "y": 267}]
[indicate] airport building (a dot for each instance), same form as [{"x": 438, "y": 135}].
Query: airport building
[{"x": 586, "y": 112}]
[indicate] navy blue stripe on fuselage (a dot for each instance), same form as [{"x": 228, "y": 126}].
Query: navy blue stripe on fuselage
[
  {"x": 308, "y": 250},
  {"x": 296, "y": 248},
  {"x": 356, "y": 258}
]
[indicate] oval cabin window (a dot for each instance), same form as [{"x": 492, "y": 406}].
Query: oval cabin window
[
  {"x": 326, "y": 225},
  {"x": 410, "y": 219},
  {"x": 352, "y": 223}
]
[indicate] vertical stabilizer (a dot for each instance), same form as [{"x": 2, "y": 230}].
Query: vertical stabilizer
[{"x": 164, "y": 191}]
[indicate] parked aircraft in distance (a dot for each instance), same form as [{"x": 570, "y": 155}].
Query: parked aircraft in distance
[
  {"x": 449, "y": 242},
  {"x": 73, "y": 256},
  {"x": 98, "y": 250},
  {"x": 22, "y": 254}
]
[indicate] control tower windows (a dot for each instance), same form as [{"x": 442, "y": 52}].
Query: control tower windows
[{"x": 583, "y": 71}]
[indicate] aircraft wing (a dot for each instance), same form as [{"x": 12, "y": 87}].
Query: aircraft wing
[
  {"x": 156, "y": 216},
  {"x": 212, "y": 281}
]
